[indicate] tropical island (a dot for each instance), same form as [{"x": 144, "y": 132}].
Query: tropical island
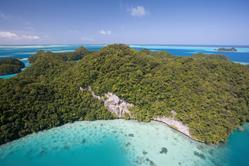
[
  {"x": 227, "y": 49},
  {"x": 206, "y": 95},
  {"x": 10, "y": 66}
]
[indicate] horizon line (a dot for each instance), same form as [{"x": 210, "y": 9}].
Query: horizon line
[{"x": 210, "y": 45}]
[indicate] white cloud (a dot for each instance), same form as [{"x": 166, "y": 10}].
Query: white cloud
[
  {"x": 8, "y": 35},
  {"x": 105, "y": 32},
  {"x": 138, "y": 11},
  {"x": 30, "y": 37},
  {"x": 15, "y": 36}
]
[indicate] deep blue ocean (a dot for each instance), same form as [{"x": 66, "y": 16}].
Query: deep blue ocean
[{"x": 74, "y": 147}]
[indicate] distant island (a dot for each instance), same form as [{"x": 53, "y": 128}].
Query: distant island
[
  {"x": 10, "y": 66},
  {"x": 223, "y": 49},
  {"x": 203, "y": 96}
]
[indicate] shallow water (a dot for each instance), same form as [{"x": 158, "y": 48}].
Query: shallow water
[
  {"x": 7, "y": 76},
  {"x": 120, "y": 143}
]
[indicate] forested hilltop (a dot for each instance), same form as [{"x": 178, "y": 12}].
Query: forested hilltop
[
  {"x": 208, "y": 92},
  {"x": 10, "y": 66}
]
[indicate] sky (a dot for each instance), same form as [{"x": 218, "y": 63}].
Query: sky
[{"x": 201, "y": 22}]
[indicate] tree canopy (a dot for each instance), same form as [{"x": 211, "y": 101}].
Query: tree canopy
[{"x": 10, "y": 66}]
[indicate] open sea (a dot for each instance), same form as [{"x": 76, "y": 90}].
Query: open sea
[{"x": 122, "y": 142}]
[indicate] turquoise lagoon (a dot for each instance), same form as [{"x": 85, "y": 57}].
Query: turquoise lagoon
[{"x": 122, "y": 143}]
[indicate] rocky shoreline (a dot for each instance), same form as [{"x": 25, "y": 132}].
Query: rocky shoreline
[
  {"x": 178, "y": 126},
  {"x": 121, "y": 109}
]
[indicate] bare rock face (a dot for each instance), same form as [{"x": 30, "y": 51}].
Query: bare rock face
[
  {"x": 116, "y": 105},
  {"x": 112, "y": 102},
  {"x": 178, "y": 125},
  {"x": 172, "y": 122}
]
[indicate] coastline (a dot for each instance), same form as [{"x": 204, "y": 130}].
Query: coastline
[
  {"x": 129, "y": 137},
  {"x": 100, "y": 120},
  {"x": 120, "y": 108},
  {"x": 189, "y": 136}
]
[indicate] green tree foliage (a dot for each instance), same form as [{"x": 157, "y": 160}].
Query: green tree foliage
[
  {"x": 208, "y": 92},
  {"x": 10, "y": 66},
  {"x": 65, "y": 56},
  {"x": 44, "y": 96}
]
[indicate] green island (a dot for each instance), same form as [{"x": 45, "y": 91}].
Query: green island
[
  {"x": 232, "y": 49},
  {"x": 207, "y": 93},
  {"x": 10, "y": 66}
]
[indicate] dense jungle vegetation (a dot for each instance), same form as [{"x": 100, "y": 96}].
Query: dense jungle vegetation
[
  {"x": 10, "y": 66},
  {"x": 208, "y": 92}
]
